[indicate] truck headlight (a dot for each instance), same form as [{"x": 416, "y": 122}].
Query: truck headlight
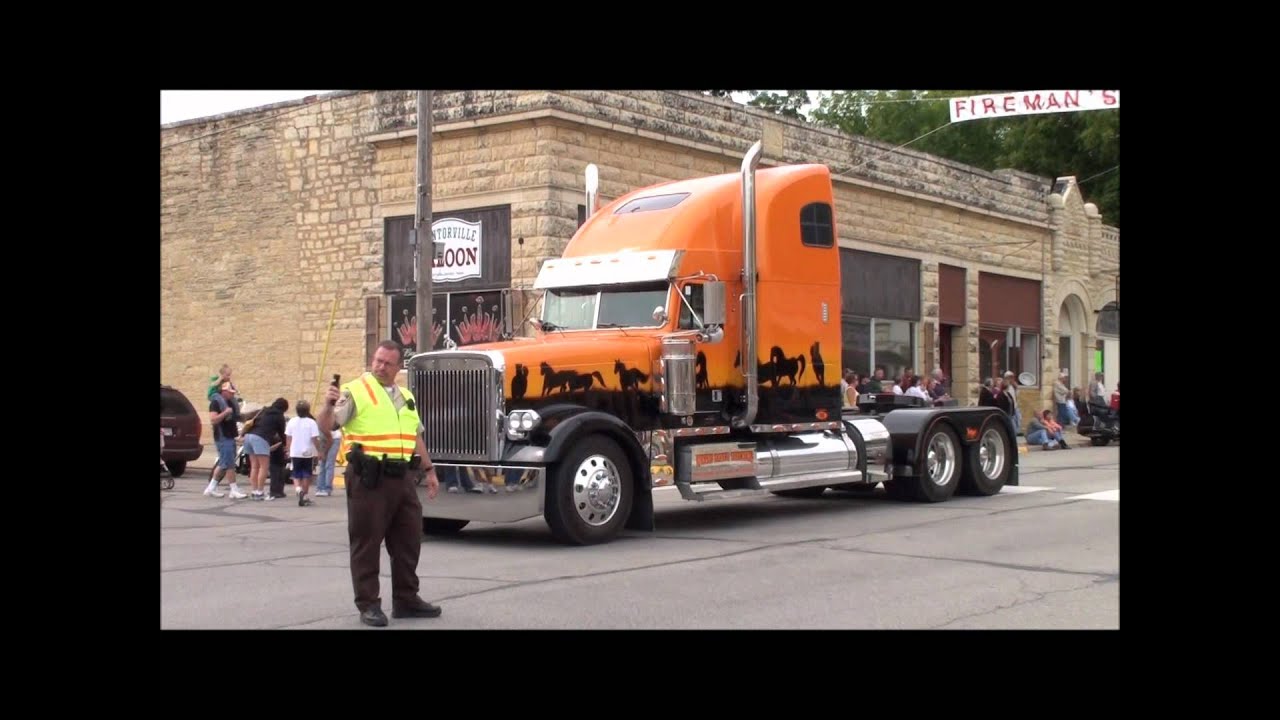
[{"x": 521, "y": 422}]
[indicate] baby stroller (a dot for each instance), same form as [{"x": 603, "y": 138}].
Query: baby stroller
[{"x": 166, "y": 477}]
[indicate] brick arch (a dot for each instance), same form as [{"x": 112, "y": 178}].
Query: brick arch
[
  {"x": 1069, "y": 288},
  {"x": 1105, "y": 295}
]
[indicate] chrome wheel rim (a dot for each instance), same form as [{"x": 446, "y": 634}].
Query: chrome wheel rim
[
  {"x": 991, "y": 454},
  {"x": 941, "y": 459},
  {"x": 597, "y": 488}
]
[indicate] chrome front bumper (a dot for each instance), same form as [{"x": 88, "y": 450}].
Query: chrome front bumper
[{"x": 489, "y": 493}]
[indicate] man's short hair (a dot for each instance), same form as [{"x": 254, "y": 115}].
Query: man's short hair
[{"x": 392, "y": 345}]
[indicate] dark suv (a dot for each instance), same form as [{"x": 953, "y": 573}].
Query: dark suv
[{"x": 181, "y": 425}]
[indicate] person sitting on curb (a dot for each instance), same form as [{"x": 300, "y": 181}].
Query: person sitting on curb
[{"x": 1046, "y": 432}]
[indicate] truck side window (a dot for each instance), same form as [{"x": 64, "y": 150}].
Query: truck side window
[
  {"x": 692, "y": 293},
  {"x": 815, "y": 225}
]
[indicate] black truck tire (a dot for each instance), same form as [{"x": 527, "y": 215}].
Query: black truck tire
[
  {"x": 589, "y": 492},
  {"x": 939, "y": 473},
  {"x": 989, "y": 462},
  {"x": 176, "y": 467}
]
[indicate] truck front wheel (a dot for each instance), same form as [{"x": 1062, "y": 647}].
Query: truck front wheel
[{"x": 589, "y": 493}]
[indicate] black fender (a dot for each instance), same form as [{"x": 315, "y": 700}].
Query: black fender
[
  {"x": 565, "y": 424},
  {"x": 908, "y": 428}
]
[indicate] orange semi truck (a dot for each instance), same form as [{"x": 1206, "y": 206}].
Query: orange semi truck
[{"x": 689, "y": 336}]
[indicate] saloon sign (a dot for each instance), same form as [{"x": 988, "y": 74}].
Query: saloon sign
[{"x": 461, "y": 256}]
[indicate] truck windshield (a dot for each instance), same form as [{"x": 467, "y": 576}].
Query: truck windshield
[{"x": 586, "y": 308}]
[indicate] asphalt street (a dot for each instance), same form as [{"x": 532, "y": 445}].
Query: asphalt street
[{"x": 1042, "y": 555}]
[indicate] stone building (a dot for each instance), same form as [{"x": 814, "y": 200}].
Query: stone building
[{"x": 285, "y": 233}]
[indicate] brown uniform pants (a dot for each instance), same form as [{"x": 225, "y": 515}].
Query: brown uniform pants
[{"x": 391, "y": 511}]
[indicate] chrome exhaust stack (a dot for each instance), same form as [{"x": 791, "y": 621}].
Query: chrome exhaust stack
[
  {"x": 593, "y": 188},
  {"x": 750, "y": 368}
]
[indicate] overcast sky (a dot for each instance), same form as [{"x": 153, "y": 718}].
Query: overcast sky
[{"x": 179, "y": 105}]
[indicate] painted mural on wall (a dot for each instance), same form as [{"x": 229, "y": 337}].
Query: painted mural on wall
[
  {"x": 475, "y": 317},
  {"x": 466, "y": 318},
  {"x": 404, "y": 321}
]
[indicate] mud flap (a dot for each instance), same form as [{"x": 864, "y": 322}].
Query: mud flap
[{"x": 641, "y": 517}]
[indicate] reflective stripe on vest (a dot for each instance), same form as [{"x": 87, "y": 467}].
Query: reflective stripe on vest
[{"x": 375, "y": 424}]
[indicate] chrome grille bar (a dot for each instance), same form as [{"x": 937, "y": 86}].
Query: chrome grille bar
[{"x": 458, "y": 405}]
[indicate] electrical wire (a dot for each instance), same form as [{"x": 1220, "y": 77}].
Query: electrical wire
[{"x": 1104, "y": 172}]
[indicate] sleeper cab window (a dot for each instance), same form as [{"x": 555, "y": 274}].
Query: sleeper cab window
[{"x": 815, "y": 225}]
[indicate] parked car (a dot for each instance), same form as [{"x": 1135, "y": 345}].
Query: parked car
[{"x": 180, "y": 425}]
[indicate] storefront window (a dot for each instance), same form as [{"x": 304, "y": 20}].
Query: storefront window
[
  {"x": 856, "y": 344},
  {"x": 894, "y": 346},
  {"x": 995, "y": 357},
  {"x": 1029, "y": 360}
]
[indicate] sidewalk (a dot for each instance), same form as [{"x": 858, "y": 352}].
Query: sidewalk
[{"x": 202, "y": 466}]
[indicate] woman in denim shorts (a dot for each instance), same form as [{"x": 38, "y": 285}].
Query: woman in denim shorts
[{"x": 268, "y": 429}]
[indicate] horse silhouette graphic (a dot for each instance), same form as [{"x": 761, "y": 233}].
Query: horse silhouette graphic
[
  {"x": 785, "y": 366},
  {"x": 701, "y": 366},
  {"x": 819, "y": 367},
  {"x": 552, "y": 379},
  {"x": 583, "y": 381},
  {"x": 629, "y": 378},
  {"x": 520, "y": 383}
]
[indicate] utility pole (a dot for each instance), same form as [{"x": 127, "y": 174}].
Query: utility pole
[{"x": 424, "y": 253}]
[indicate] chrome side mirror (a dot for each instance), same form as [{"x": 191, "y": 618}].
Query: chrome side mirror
[
  {"x": 713, "y": 300},
  {"x": 660, "y": 315}
]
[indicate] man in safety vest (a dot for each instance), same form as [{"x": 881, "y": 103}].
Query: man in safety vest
[{"x": 380, "y": 420}]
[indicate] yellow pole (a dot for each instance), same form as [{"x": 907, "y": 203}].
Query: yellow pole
[{"x": 325, "y": 359}]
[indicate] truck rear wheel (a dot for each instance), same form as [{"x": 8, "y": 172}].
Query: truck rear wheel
[
  {"x": 988, "y": 464},
  {"x": 938, "y": 474},
  {"x": 589, "y": 493}
]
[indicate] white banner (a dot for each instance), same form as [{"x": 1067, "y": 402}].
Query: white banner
[
  {"x": 1031, "y": 102},
  {"x": 461, "y": 258}
]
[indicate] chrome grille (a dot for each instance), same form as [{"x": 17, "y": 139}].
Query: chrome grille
[{"x": 458, "y": 402}]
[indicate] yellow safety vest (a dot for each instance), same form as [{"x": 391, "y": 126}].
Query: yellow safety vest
[{"x": 376, "y": 425}]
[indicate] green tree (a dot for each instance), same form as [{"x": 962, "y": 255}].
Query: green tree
[
  {"x": 789, "y": 105},
  {"x": 1084, "y": 144}
]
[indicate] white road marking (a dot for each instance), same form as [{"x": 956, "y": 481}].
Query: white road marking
[
  {"x": 1107, "y": 495},
  {"x": 1016, "y": 489}
]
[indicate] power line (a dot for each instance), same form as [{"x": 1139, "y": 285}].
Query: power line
[
  {"x": 1104, "y": 172},
  {"x": 894, "y": 150}
]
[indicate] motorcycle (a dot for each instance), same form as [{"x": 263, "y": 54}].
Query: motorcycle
[{"x": 1099, "y": 423}]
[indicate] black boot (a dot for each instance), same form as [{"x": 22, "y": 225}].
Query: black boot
[
  {"x": 374, "y": 616},
  {"x": 417, "y": 608}
]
